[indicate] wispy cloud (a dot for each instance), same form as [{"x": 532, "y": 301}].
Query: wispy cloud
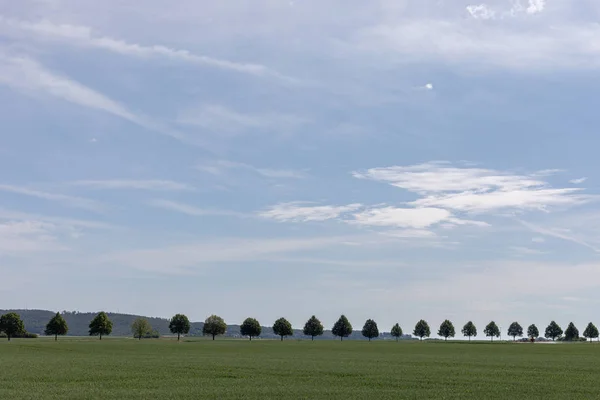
[
  {"x": 418, "y": 218},
  {"x": 300, "y": 212},
  {"x": 475, "y": 189},
  {"x": 85, "y": 37},
  {"x": 559, "y": 233},
  {"x": 158, "y": 185},
  {"x": 71, "y": 201},
  {"x": 12, "y": 215},
  {"x": 220, "y": 167},
  {"x": 225, "y": 121},
  {"x": 29, "y": 77},
  {"x": 192, "y": 210},
  {"x": 578, "y": 181},
  {"x": 525, "y": 251}
]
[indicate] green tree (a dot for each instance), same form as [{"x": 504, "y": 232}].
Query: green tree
[
  {"x": 591, "y": 332},
  {"x": 180, "y": 325},
  {"x": 422, "y": 329},
  {"x": 492, "y": 330},
  {"x": 469, "y": 330},
  {"x": 251, "y": 328},
  {"x": 342, "y": 328},
  {"x": 140, "y": 328},
  {"x": 572, "y": 333},
  {"x": 533, "y": 332},
  {"x": 56, "y": 326},
  {"x": 282, "y": 328},
  {"x": 553, "y": 331},
  {"x": 396, "y": 331},
  {"x": 214, "y": 326},
  {"x": 101, "y": 325},
  {"x": 514, "y": 330},
  {"x": 313, "y": 327},
  {"x": 370, "y": 330},
  {"x": 12, "y": 325},
  {"x": 446, "y": 330}
]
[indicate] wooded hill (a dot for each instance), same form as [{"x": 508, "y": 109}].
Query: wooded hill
[{"x": 35, "y": 322}]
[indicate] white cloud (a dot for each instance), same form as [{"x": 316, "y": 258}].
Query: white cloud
[
  {"x": 526, "y": 251},
  {"x": 481, "y": 11},
  {"x": 417, "y": 218},
  {"x": 220, "y": 167},
  {"x": 84, "y": 36},
  {"x": 475, "y": 189},
  {"x": 536, "y": 6},
  {"x": 560, "y": 233},
  {"x": 297, "y": 212},
  {"x": 70, "y": 223},
  {"x": 134, "y": 184},
  {"x": 191, "y": 210},
  {"x": 429, "y": 86},
  {"x": 578, "y": 181},
  {"x": 72, "y": 201},
  {"x": 23, "y": 237}
]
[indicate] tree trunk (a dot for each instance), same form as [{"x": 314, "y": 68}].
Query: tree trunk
[
  {"x": 250, "y": 338},
  {"x": 140, "y": 337},
  {"x": 469, "y": 338},
  {"x": 55, "y": 338},
  {"x": 8, "y": 336},
  {"x": 445, "y": 339},
  {"x": 313, "y": 338},
  {"x": 369, "y": 339},
  {"x": 178, "y": 336},
  {"x": 213, "y": 337},
  {"x": 282, "y": 338},
  {"x": 100, "y": 336},
  {"x": 341, "y": 339},
  {"x": 396, "y": 338}
]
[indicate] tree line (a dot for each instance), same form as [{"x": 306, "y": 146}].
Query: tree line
[{"x": 101, "y": 325}]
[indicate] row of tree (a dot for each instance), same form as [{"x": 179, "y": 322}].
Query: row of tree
[{"x": 12, "y": 325}]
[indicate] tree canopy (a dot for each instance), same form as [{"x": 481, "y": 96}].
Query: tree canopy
[
  {"x": 533, "y": 332},
  {"x": 514, "y": 330},
  {"x": 251, "y": 328},
  {"x": 370, "y": 330},
  {"x": 553, "y": 331},
  {"x": 492, "y": 330},
  {"x": 446, "y": 330},
  {"x": 396, "y": 331},
  {"x": 101, "y": 325},
  {"x": 591, "y": 332},
  {"x": 313, "y": 327},
  {"x": 214, "y": 326},
  {"x": 469, "y": 330},
  {"x": 56, "y": 326},
  {"x": 180, "y": 325},
  {"x": 12, "y": 325},
  {"x": 140, "y": 328},
  {"x": 572, "y": 333},
  {"x": 282, "y": 327},
  {"x": 342, "y": 328},
  {"x": 422, "y": 329}
]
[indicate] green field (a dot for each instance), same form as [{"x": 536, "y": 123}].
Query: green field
[{"x": 235, "y": 369}]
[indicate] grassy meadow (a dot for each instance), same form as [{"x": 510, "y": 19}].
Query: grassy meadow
[{"x": 117, "y": 368}]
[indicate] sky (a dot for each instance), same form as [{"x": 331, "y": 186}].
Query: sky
[{"x": 395, "y": 160}]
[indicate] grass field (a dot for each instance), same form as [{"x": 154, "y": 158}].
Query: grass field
[{"x": 232, "y": 369}]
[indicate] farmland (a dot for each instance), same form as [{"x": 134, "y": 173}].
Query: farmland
[{"x": 118, "y": 368}]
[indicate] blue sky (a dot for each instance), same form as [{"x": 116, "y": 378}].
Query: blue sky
[{"x": 394, "y": 160}]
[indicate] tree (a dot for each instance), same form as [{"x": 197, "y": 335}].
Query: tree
[
  {"x": 342, "y": 328},
  {"x": 396, "y": 331},
  {"x": 251, "y": 328},
  {"x": 591, "y": 332},
  {"x": 12, "y": 325},
  {"x": 140, "y": 328},
  {"x": 214, "y": 325},
  {"x": 180, "y": 325},
  {"x": 422, "y": 329},
  {"x": 282, "y": 327},
  {"x": 101, "y": 325},
  {"x": 514, "y": 330},
  {"x": 446, "y": 330},
  {"x": 492, "y": 330},
  {"x": 533, "y": 332},
  {"x": 553, "y": 331},
  {"x": 370, "y": 329},
  {"x": 56, "y": 326},
  {"x": 313, "y": 327},
  {"x": 469, "y": 330},
  {"x": 572, "y": 333}
]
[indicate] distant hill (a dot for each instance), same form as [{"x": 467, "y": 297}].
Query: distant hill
[{"x": 35, "y": 322}]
